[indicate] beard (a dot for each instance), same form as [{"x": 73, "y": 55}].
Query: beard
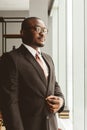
[
  {"x": 32, "y": 42},
  {"x": 39, "y": 44},
  {"x": 36, "y": 44}
]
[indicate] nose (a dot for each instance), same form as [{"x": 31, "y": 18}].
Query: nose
[{"x": 42, "y": 33}]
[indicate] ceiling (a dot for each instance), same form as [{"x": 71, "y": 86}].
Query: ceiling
[
  {"x": 19, "y": 4},
  {"x": 14, "y": 4}
]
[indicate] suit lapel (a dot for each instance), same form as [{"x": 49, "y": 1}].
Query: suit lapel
[
  {"x": 45, "y": 57},
  {"x": 34, "y": 63}
]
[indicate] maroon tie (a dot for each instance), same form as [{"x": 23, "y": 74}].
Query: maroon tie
[{"x": 39, "y": 60}]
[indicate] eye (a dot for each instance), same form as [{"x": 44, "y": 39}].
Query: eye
[
  {"x": 38, "y": 29},
  {"x": 45, "y": 30}
]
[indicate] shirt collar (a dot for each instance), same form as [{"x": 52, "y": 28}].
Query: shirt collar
[{"x": 32, "y": 50}]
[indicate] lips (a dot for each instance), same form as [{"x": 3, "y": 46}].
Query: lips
[{"x": 41, "y": 39}]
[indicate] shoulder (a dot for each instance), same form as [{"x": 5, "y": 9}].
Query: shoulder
[
  {"x": 9, "y": 59},
  {"x": 47, "y": 57},
  {"x": 13, "y": 54}
]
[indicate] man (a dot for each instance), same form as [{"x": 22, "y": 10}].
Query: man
[{"x": 30, "y": 94}]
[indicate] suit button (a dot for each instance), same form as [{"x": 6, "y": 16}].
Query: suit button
[{"x": 47, "y": 117}]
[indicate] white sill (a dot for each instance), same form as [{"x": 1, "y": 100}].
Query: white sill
[{"x": 64, "y": 124}]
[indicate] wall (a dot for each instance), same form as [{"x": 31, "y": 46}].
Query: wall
[
  {"x": 85, "y": 114},
  {"x": 79, "y": 64}
]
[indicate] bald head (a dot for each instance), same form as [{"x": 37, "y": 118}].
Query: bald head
[{"x": 27, "y": 22}]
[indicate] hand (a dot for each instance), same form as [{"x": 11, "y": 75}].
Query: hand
[{"x": 54, "y": 103}]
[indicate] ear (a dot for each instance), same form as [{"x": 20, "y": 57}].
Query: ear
[{"x": 21, "y": 32}]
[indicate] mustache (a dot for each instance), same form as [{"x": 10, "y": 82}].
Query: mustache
[{"x": 41, "y": 37}]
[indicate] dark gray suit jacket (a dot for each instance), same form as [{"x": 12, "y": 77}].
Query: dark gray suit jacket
[{"x": 23, "y": 89}]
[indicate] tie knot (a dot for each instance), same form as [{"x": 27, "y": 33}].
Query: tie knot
[{"x": 38, "y": 55}]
